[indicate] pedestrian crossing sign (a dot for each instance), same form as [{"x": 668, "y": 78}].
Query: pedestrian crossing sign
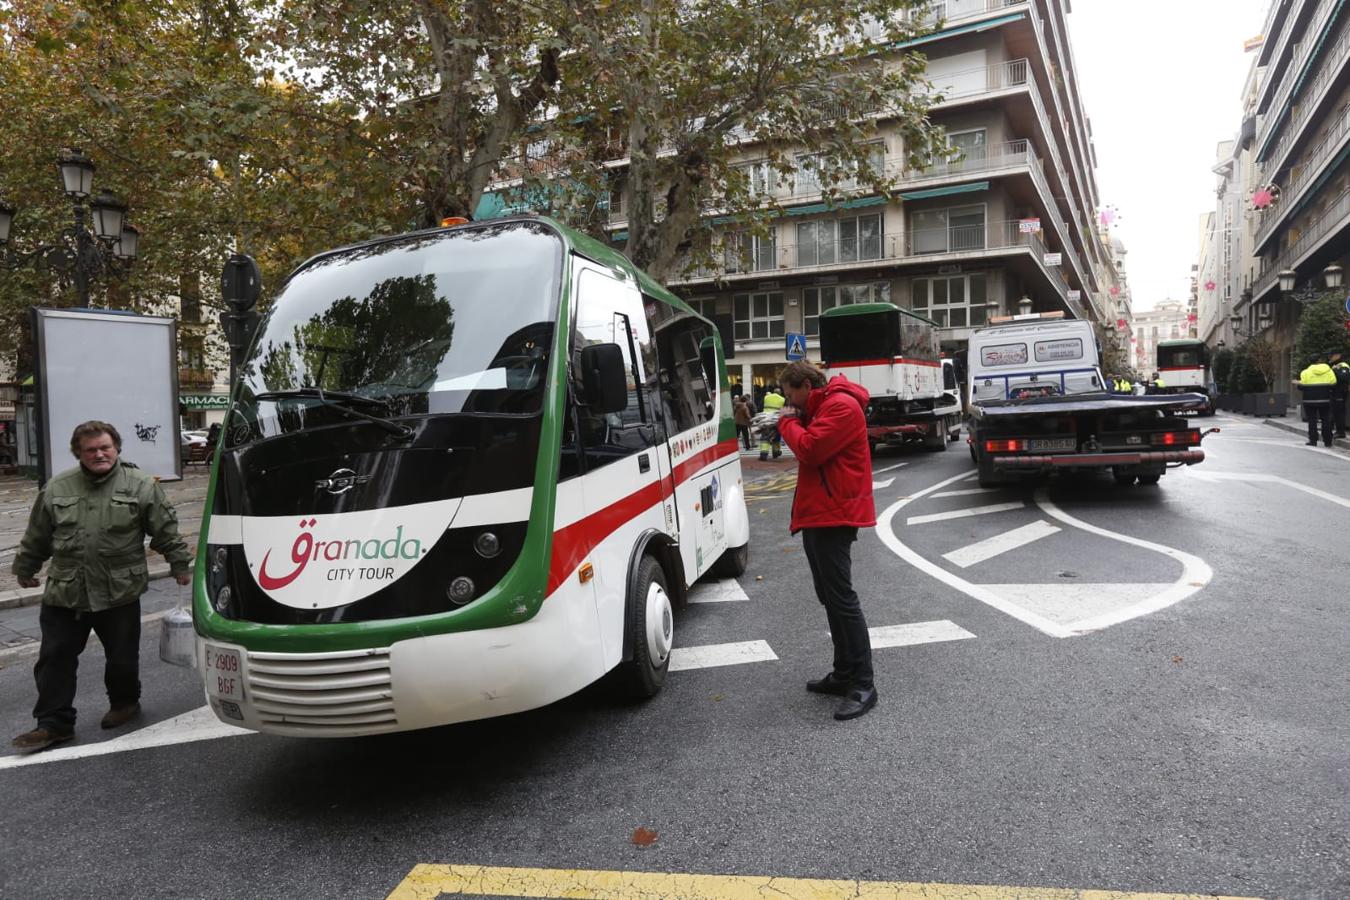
[{"x": 796, "y": 346}]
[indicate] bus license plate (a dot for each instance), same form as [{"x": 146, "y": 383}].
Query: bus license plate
[
  {"x": 1052, "y": 444},
  {"x": 224, "y": 672}
]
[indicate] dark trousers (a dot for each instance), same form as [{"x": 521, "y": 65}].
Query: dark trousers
[
  {"x": 829, "y": 553},
  {"x": 743, "y": 432},
  {"x": 1316, "y": 412},
  {"x": 64, "y": 635},
  {"x": 1338, "y": 415}
]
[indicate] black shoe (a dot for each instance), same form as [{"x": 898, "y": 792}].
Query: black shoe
[
  {"x": 120, "y": 715},
  {"x": 856, "y": 703},
  {"x": 1312, "y": 443},
  {"x": 830, "y": 684},
  {"x": 40, "y": 739}
]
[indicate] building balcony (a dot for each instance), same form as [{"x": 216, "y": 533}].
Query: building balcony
[
  {"x": 1290, "y": 124},
  {"x": 869, "y": 256},
  {"x": 1275, "y": 92},
  {"x": 1314, "y": 165},
  {"x": 1332, "y": 222},
  {"x": 195, "y": 379}
]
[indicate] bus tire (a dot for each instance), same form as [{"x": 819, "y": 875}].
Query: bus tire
[
  {"x": 987, "y": 476},
  {"x": 733, "y": 562},
  {"x": 650, "y": 626}
]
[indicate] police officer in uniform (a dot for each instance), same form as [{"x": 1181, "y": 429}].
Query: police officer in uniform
[
  {"x": 1341, "y": 370},
  {"x": 1316, "y": 382}
]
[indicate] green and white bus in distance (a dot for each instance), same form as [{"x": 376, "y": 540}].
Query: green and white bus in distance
[{"x": 466, "y": 472}]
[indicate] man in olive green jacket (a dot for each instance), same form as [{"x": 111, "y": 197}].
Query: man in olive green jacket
[{"x": 91, "y": 522}]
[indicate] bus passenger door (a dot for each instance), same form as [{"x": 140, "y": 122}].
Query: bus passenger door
[{"x": 622, "y": 492}]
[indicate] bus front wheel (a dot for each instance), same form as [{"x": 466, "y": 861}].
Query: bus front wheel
[{"x": 650, "y": 627}]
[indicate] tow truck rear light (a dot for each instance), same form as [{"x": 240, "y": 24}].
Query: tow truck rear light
[
  {"x": 1007, "y": 446},
  {"x": 1175, "y": 438}
]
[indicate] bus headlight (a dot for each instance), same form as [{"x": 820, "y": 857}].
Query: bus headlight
[
  {"x": 218, "y": 560},
  {"x": 461, "y": 590},
  {"x": 487, "y": 545},
  {"x": 223, "y": 599}
]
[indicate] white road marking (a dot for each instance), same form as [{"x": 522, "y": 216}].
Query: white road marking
[
  {"x": 710, "y": 655},
  {"x": 963, "y": 513},
  {"x": 913, "y": 633},
  {"x": 727, "y": 590},
  {"x": 1195, "y": 572},
  {"x": 1294, "y": 442},
  {"x": 889, "y": 468},
  {"x": 968, "y": 492},
  {"x": 199, "y": 724},
  {"x": 878, "y": 485},
  {"x": 1057, "y": 611},
  {"x": 1206, "y": 475},
  {"x": 980, "y": 551}
]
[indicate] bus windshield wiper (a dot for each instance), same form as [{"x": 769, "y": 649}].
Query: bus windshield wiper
[{"x": 343, "y": 403}]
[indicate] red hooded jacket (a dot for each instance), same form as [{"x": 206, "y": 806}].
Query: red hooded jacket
[{"x": 834, "y": 479}]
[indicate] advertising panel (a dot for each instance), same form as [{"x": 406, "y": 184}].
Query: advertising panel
[{"x": 116, "y": 367}]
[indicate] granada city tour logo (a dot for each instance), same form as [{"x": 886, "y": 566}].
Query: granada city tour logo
[{"x": 306, "y": 549}]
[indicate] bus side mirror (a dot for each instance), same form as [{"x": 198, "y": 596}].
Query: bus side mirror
[{"x": 604, "y": 381}]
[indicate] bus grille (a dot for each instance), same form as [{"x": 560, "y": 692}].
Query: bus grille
[{"x": 346, "y": 692}]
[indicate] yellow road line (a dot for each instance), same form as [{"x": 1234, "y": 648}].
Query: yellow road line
[{"x": 428, "y": 882}]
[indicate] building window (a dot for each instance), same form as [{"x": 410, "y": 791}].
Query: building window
[
  {"x": 815, "y": 300},
  {"x": 947, "y": 230},
  {"x": 758, "y": 316},
  {"x": 970, "y": 147},
  {"x": 957, "y": 301},
  {"x": 763, "y": 178},
  {"x": 807, "y": 178},
  {"x": 750, "y": 252},
  {"x": 704, "y": 306},
  {"x": 827, "y": 241}
]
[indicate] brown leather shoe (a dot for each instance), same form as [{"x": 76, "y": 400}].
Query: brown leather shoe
[
  {"x": 40, "y": 739},
  {"x": 120, "y": 715}
]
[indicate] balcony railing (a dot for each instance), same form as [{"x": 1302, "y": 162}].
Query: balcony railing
[
  {"x": 1299, "y": 113},
  {"x": 1298, "y": 54},
  {"x": 1311, "y": 236},
  {"x": 1308, "y": 170},
  {"x": 980, "y": 80},
  {"x": 195, "y": 379}
]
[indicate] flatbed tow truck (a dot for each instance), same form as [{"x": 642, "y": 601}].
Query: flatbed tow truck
[{"x": 1039, "y": 404}]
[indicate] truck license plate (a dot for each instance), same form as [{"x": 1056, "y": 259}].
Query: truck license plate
[
  {"x": 224, "y": 673},
  {"x": 1052, "y": 444}
]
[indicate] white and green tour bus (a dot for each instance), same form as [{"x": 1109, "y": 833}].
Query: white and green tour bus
[{"x": 466, "y": 473}]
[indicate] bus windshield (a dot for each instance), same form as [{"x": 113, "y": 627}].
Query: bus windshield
[
  {"x": 449, "y": 322},
  {"x": 1188, "y": 356}
]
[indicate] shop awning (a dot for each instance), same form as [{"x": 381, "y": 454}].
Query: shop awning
[
  {"x": 961, "y": 29},
  {"x": 971, "y": 188}
]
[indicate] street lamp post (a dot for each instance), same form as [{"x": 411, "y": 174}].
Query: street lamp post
[{"x": 98, "y": 240}]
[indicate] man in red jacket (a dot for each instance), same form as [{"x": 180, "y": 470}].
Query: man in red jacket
[{"x": 824, "y": 426}]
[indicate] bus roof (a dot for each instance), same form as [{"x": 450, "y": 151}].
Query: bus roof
[
  {"x": 1180, "y": 342},
  {"x": 861, "y": 309},
  {"x": 576, "y": 241}
]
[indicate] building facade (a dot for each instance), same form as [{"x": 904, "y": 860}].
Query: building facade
[
  {"x": 1012, "y": 216},
  {"x": 1299, "y": 125},
  {"x": 1167, "y": 321}
]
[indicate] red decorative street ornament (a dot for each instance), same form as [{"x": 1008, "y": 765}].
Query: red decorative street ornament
[
  {"x": 1121, "y": 323},
  {"x": 1115, "y": 290},
  {"x": 1209, "y": 285},
  {"x": 1264, "y": 197}
]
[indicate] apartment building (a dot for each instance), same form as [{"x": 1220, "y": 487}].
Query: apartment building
[
  {"x": 1299, "y": 128},
  {"x": 1011, "y": 222},
  {"x": 1118, "y": 324},
  {"x": 1167, "y": 321}
]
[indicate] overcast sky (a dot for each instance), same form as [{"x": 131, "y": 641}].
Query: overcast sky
[{"x": 1162, "y": 83}]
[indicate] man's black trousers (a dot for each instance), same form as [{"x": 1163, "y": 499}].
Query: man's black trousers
[
  {"x": 829, "y": 553},
  {"x": 1338, "y": 415},
  {"x": 1318, "y": 411},
  {"x": 64, "y": 635}
]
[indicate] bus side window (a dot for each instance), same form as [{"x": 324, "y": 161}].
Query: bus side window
[
  {"x": 609, "y": 312},
  {"x": 687, "y": 388}
]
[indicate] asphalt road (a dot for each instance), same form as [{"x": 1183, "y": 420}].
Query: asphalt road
[{"x": 1165, "y": 710}]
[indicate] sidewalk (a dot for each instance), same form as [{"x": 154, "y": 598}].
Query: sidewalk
[
  {"x": 16, "y": 500},
  {"x": 1294, "y": 426}
]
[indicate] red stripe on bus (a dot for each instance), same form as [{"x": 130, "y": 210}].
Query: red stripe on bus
[
  {"x": 573, "y": 543},
  {"x": 884, "y": 362}
]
